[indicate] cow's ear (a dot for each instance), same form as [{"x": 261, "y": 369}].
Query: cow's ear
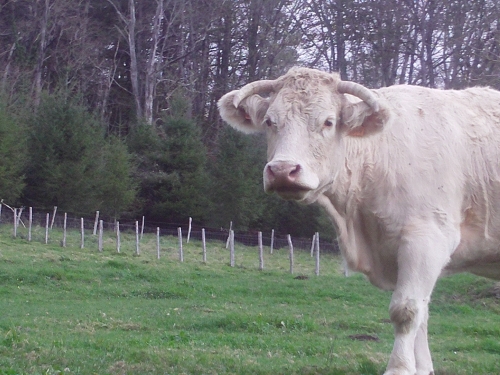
[
  {"x": 249, "y": 114},
  {"x": 359, "y": 119}
]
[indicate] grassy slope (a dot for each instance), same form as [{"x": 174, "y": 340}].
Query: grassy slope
[{"x": 83, "y": 312}]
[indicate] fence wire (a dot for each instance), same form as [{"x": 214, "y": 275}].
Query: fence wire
[{"x": 166, "y": 229}]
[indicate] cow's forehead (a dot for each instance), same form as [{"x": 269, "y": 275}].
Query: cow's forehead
[{"x": 305, "y": 104}]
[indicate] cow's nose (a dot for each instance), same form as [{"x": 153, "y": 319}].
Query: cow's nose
[{"x": 282, "y": 173}]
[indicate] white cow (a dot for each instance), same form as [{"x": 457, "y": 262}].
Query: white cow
[{"x": 410, "y": 176}]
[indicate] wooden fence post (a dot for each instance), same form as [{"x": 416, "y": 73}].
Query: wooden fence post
[
  {"x": 289, "y": 238},
  {"x": 100, "y": 235},
  {"x": 345, "y": 268},
  {"x": 158, "y": 242},
  {"x": 317, "y": 254},
  {"x": 142, "y": 227},
  {"x": 313, "y": 243},
  {"x": 53, "y": 217},
  {"x": 30, "y": 222},
  {"x": 189, "y": 229},
  {"x": 64, "y": 229},
  {"x": 137, "y": 249},
  {"x": 272, "y": 241},
  {"x": 15, "y": 222},
  {"x": 229, "y": 235},
  {"x": 19, "y": 217},
  {"x": 82, "y": 233},
  {"x": 181, "y": 252},
  {"x": 231, "y": 248},
  {"x": 47, "y": 229},
  {"x": 261, "y": 252},
  {"x": 96, "y": 222},
  {"x": 118, "y": 244},
  {"x": 204, "y": 245}
]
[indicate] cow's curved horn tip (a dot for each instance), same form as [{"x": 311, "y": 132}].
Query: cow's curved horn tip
[{"x": 236, "y": 101}]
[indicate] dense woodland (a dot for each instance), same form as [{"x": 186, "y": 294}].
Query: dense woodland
[{"x": 111, "y": 104}]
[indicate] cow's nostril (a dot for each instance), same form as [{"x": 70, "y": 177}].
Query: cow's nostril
[
  {"x": 295, "y": 171},
  {"x": 282, "y": 170},
  {"x": 270, "y": 171}
]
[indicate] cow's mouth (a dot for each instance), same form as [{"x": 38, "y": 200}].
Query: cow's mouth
[
  {"x": 302, "y": 194},
  {"x": 296, "y": 193}
]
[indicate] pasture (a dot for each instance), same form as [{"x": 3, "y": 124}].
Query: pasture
[{"x": 78, "y": 311}]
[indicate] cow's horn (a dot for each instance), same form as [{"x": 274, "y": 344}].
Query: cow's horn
[
  {"x": 253, "y": 88},
  {"x": 366, "y": 95}
]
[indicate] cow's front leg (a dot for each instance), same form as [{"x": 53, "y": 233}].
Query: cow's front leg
[
  {"x": 422, "y": 355},
  {"x": 406, "y": 316},
  {"x": 423, "y": 358},
  {"x": 421, "y": 258}
]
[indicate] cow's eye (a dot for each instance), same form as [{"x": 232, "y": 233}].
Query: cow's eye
[{"x": 328, "y": 123}]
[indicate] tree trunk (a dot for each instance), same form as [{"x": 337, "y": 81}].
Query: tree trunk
[
  {"x": 7, "y": 68},
  {"x": 134, "y": 69},
  {"x": 150, "y": 80},
  {"x": 253, "y": 32},
  {"x": 339, "y": 25},
  {"x": 222, "y": 69},
  {"x": 37, "y": 81}
]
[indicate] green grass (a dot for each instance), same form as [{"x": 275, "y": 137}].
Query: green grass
[{"x": 78, "y": 311}]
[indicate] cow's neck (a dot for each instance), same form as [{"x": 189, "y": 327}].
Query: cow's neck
[
  {"x": 339, "y": 207},
  {"x": 356, "y": 227}
]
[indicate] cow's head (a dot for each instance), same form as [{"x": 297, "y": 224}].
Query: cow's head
[{"x": 306, "y": 117}]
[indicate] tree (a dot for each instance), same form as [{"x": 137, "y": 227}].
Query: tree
[
  {"x": 471, "y": 45},
  {"x": 171, "y": 168},
  {"x": 237, "y": 190},
  {"x": 184, "y": 192},
  {"x": 116, "y": 189},
  {"x": 129, "y": 19},
  {"x": 12, "y": 159},
  {"x": 426, "y": 42},
  {"x": 69, "y": 161}
]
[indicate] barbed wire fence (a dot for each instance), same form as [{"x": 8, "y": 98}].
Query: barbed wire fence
[{"x": 191, "y": 231}]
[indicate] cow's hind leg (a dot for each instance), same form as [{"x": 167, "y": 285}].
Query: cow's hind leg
[{"x": 421, "y": 258}]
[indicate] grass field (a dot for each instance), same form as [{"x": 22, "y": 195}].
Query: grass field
[{"x": 78, "y": 311}]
